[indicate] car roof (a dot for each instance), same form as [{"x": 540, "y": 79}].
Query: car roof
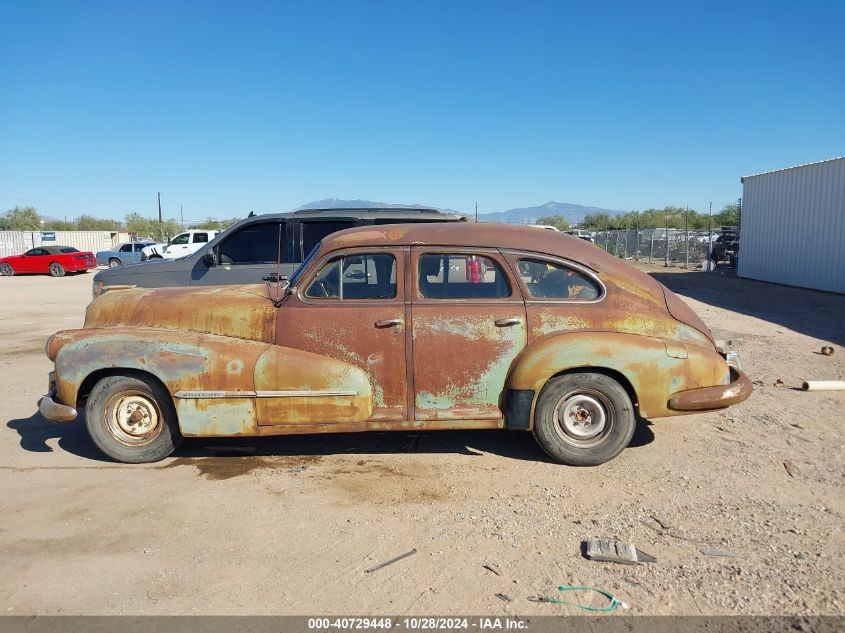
[
  {"x": 365, "y": 212},
  {"x": 469, "y": 234},
  {"x": 55, "y": 250}
]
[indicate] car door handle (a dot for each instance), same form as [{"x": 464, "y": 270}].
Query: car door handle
[
  {"x": 389, "y": 322},
  {"x": 508, "y": 322}
]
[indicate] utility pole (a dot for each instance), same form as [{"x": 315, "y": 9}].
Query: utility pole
[
  {"x": 182, "y": 217},
  {"x": 476, "y": 211},
  {"x": 686, "y": 237},
  {"x": 160, "y": 227},
  {"x": 666, "y": 258},
  {"x": 709, "y": 236}
]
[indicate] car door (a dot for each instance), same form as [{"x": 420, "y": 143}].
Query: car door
[
  {"x": 135, "y": 256},
  {"x": 179, "y": 246},
  {"x": 351, "y": 306},
  {"x": 467, "y": 327},
  {"x": 247, "y": 256},
  {"x": 34, "y": 261}
]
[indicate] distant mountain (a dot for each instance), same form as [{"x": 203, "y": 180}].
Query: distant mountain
[
  {"x": 528, "y": 215},
  {"x": 335, "y": 203}
]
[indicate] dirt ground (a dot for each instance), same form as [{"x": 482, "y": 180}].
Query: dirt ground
[{"x": 288, "y": 525}]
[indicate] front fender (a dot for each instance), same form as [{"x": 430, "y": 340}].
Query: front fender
[
  {"x": 655, "y": 368},
  {"x": 216, "y": 381}
]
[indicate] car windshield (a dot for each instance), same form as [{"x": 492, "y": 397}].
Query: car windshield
[{"x": 297, "y": 274}]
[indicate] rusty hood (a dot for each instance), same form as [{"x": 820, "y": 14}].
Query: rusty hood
[{"x": 237, "y": 311}]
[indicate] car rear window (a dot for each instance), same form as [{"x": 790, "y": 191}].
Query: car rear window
[
  {"x": 69, "y": 249},
  {"x": 551, "y": 280}
]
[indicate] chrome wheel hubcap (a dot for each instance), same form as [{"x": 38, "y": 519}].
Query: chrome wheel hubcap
[
  {"x": 133, "y": 419},
  {"x": 582, "y": 419}
]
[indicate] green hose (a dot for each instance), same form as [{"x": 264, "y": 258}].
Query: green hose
[{"x": 614, "y": 602}]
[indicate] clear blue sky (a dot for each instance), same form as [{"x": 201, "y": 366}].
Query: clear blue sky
[{"x": 229, "y": 107}]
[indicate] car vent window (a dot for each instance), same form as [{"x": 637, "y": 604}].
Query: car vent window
[
  {"x": 461, "y": 276},
  {"x": 254, "y": 244},
  {"x": 366, "y": 276},
  {"x": 551, "y": 280},
  {"x": 314, "y": 232}
]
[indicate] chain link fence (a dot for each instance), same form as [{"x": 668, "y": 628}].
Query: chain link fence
[{"x": 675, "y": 246}]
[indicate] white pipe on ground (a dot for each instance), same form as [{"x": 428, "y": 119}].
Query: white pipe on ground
[{"x": 823, "y": 385}]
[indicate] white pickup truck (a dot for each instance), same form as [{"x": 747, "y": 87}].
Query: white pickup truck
[{"x": 181, "y": 245}]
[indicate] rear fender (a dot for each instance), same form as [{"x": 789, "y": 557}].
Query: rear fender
[{"x": 655, "y": 368}]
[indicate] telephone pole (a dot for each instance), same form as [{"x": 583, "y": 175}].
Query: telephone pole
[
  {"x": 476, "y": 211},
  {"x": 160, "y": 227},
  {"x": 182, "y": 217}
]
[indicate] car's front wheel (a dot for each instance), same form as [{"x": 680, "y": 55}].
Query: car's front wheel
[
  {"x": 6, "y": 270},
  {"x": 583, "y": 419},
  {"x": 132, "y": 419}
]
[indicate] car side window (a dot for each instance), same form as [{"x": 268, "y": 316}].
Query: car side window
[
  {"x": 461, "y": 276},
  {"x": 314, "y": 232},
  {"x": 365, "y": 276},
  {"x": 34, "y": 251},
  {"x": 126, "y": 248},
  {"x": 181, "y": 239},
  {"x": 254, "y": 244},
  {"x": 200, "y": 237},
  {"x": 139, "y": 247},
  {"x": 551, "y": 280}
]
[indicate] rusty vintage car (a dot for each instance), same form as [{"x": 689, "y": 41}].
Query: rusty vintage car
[{"x": 397, "y": 327}]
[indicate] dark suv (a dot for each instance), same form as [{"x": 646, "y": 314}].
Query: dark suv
[
  {"x": 246, "y": 252},
  {"x": 726, "y": 247}
]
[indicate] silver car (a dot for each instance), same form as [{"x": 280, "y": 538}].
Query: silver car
[{"x": 126, "y": 253}]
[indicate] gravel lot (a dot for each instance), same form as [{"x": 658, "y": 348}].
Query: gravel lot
[{"x": 288, "y": 525}]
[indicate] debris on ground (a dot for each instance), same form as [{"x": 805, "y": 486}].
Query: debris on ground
[
  {"x": 823, "y": 385},
  {"x": 390, "y": 562},
  {"x": 614, "y": 602},
  {"x": 791, "y": 468},
  {"x": 827, "y": 350},
  {"x": 504, "y": 597},
  {"x": 779, "y": 383},
  {"x": 613, "y": 550},
  {"x": 493, "y": 568},
  {"x": 707, "y": 551}
]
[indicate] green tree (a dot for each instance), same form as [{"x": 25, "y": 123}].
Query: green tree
[
  {"x": 728, "y": 216},
  {"x": 21, "y": 219},
  {"x": 557, "y": 221}
]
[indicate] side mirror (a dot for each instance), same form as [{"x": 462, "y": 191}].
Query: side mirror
[{"x": 210, "y": 258}]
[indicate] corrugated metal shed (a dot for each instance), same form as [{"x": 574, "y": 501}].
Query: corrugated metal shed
[
  {"x": 793, "y": 226},
  {"x": 16, "y": 242}
]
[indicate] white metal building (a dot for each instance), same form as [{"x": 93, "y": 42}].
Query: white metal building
[{"x": 793, "y": 226}]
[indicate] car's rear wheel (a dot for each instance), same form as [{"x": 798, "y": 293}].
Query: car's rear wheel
[
  {"x": 114, "y": 262},
  {"x": 57, "y": 270},
  {"x": 132, "y": 419},
  {"x": 583, "y": 419},
  {"x": 6, "y": 270}
]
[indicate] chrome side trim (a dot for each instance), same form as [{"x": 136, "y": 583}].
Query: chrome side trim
[{"x": 193, "y": 395}]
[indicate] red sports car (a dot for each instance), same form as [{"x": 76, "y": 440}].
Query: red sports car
[{"x": 55, "y": 260}]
